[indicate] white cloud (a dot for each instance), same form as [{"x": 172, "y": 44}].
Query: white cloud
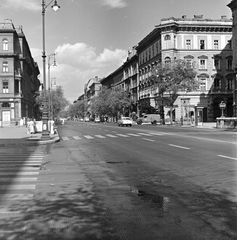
[
  {"x": 23, "y": 4},
  {"x": 77, "y": 63},
  {"x": 114, "y": 3}
]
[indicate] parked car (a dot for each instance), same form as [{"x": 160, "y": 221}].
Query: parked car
[
  {"x": 87, "y": 119},
  {"x": 97, "y": 120},
  {"x": 125, "y": 121}
]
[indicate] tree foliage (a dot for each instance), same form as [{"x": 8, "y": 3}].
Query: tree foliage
[
  {"x": 179, "y": 75},
  {"x": 110, "y": 102},
  {"x": 77, "y": 109},
  {"x": 57, "y": 99}
]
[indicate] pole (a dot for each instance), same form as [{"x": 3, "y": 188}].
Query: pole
[{"x": 45, "y": 132}]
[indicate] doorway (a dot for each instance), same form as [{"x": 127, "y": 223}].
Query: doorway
[{"x": 6, "y": 118}]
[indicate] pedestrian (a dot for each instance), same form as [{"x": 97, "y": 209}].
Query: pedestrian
[{"x": 31, "y": 126}]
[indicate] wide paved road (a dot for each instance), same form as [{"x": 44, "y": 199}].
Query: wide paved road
[
  {"x": 102, "y": 181},
  {"x": 161, "y": 182}
]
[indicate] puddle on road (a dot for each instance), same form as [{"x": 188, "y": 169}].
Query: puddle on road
[{"x": 161, "y": 202}]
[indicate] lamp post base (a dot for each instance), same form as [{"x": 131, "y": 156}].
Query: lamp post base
[{"x": 45, "y": 131}]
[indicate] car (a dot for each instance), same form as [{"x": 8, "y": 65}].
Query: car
[
  {"x": 87, "y": 119},
  {"x": 125, "y": 121},
  {"x": 97, "y": 120}
]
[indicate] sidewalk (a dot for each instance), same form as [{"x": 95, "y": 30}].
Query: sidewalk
[{"x": 18, "y": 136}]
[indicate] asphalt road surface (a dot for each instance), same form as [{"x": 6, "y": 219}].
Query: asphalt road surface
[{"x": 102, "y": 181}]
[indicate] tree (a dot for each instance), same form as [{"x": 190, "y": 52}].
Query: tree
[
  {"x": 110, "y": 102},
  {"x": 77, "y": 109},
  {"x": 57, "y": 99},
  {"x": 171, "y": 78}
]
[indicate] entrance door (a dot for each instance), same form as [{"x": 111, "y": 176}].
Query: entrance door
[{"x": 6, "y": 118}]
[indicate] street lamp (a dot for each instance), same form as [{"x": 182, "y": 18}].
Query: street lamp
[
  {"x": 55, "y": 7},
  {"x": 49, "y": 84}
]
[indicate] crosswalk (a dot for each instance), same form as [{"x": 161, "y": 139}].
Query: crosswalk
[
  {"x": 18, "y": 174},
  {"x": 115, "y": 135}
]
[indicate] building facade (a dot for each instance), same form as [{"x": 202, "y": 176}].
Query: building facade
[
  {"x": 204, "y": 42},
  {"x": 19, "y": 72},
  {"x": 233, "y": 6}
]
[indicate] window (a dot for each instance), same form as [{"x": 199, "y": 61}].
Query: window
[
  {"x": 202, "y": 44},
  {"x": 202, "y": 85},
  {"x": 217, "y": 83},
  {"x": 217, "y": 63},
  {"x": 229, "y": 44},
  {"x": 229, "y": 64},
  {"x": 5, "y": 87},
  {"x": 229, "y": 83},
  {"x": 5, "y": 66},
  {"x": 167, "y": 37},
  {"x": 216, "y": 44},
  {"x": 5, "y": 45},
  {"x": 167, "y": 61},
  {"x": 188, "y": 43},
  {"x": 202, "y": 64}
]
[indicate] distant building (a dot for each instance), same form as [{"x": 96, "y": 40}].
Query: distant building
[
  {"x": 19, "y": 72},
  {"x": 91, "y": 90},
  {"x": 205, "y": 42}
]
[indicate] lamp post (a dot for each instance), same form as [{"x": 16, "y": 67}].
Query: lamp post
[
  {"x": 49, "y": 84},
  {"x": 55, "y": 7}
]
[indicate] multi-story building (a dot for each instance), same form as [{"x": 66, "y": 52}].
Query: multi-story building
[
  {"x": 19, "y": 72},
  {"x": 205, "y": 42},
  {"x": 91, "y": 90},
  {"x": 233, "y": 6}
]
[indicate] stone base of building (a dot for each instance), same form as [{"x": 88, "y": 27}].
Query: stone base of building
[{"x": 226, "y": 122}]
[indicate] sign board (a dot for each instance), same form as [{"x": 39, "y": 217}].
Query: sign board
[{"x": 222, "y": 105}]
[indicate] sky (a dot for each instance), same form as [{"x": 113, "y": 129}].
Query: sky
[{"x": 92, "y": 37}]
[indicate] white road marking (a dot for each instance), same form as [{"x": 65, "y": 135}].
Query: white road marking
[
  {"x": 110, "y": 135},
  {"x": 65, "y": 138},
  {"x": 15, "y": 173},
  {"x": 99, "y": 136},
  {"x": 145, "y": 134},
  {"x": 177, "y": 146},
  {"x": 150, "y": 140},
  {"x": 20, "y": 179},
  {"x": 76, "y": 137},
  {"x": 135, "y": 135},
  {"x": 227, "y": 157},
  {"x": 17, "y": 187},
  {"x": 88, "y": 137},
  {"x": 10, "y": 196},
  {"x": 122, "y": 135}
]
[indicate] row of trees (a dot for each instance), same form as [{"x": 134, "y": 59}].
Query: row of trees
[
  {"x": 109, "y": 102},
  {"x": 167, "y": 78}
]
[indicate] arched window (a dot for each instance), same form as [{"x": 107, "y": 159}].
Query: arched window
[
  {"x": 5, "y": 45},
  {"x": 167, "y": 61}
]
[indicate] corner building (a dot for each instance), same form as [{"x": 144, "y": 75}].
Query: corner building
[
  {"x": 204, "y": 42},
  {"x": 19, "y": 83}
]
